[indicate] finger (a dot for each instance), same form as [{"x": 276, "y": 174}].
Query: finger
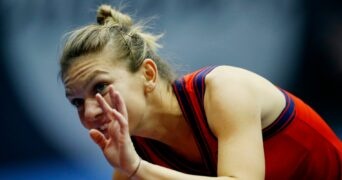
[
  {"x": 121, "y": 110},
  {"x": 98, "y": 138},
  {"x": 105, "y": 106},
  {"x": 118, "y": 132},
  {"x": 121, "y": 119},
  {"x": 118, "y": 101},
  {"x": 113, "y": 114},
  {"x": 113, "y": 128}
]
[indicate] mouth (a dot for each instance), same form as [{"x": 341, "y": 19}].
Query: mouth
[{"x": 104, "y": 129}]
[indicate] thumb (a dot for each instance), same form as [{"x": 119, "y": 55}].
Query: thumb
[{"x": 98, "y": 138}]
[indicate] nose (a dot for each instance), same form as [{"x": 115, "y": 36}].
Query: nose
[{"x": 92, "y": 113}]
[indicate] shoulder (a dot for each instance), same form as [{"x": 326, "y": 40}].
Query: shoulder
[
  {"x": 239, "y": 84},
  {"x": 233, "y": 76},
  {"x": 234, "y": 84},
  {"x": 239, "y": 95}
]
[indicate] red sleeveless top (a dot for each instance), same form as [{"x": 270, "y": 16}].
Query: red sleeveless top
[{"x": 285, "y": 156}]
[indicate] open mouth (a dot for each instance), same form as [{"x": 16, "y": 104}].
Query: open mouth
[{"x": 104, "y": 129}]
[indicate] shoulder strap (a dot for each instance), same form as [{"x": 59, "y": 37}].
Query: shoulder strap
[{"x": 190, "y": 94}]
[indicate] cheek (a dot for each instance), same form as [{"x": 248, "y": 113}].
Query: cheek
[
  {"x": 81, "y": 118},
  {"x": 135, "y": 103},
  {"x": 132, "y": 92},
  {"x": 135, "y": 112}
]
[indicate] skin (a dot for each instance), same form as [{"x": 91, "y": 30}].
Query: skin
[{"x": 142, "y": 104}]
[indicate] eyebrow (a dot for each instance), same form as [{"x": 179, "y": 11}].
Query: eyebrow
[{"x": 88, "y": 80}]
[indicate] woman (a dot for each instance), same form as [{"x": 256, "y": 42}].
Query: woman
[{"x": 218, "y": 122}]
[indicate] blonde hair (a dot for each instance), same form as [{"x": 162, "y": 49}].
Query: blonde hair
[{"x": 128, "y": 40}]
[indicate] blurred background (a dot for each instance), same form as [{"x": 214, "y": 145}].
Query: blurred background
[{"x": 297, "y": 44}]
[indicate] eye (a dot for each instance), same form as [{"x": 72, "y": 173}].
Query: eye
[
  {"x": 100, "y": 87},
  {"x": 77, "y": 102}
]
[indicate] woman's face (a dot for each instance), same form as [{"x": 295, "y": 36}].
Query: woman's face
[{"x": 92, "y": 74}]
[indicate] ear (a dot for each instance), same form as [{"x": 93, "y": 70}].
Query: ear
[{"x": 150, "y": 73}]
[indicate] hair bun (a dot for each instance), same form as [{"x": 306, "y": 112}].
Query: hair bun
[{"x": 106, "y": 14}]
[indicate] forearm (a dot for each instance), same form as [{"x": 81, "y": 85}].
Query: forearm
[{"x": 150, "y": 171}]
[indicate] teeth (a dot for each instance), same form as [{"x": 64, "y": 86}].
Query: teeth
[{"x": 103, "y": 127}]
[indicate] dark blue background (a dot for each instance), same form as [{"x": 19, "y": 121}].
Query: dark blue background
[{"x": 312, "y": 68}]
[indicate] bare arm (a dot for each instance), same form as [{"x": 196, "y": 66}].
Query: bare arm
[
  {"x": 151, "y": 171},
  {"x": 234, "y": 115}
]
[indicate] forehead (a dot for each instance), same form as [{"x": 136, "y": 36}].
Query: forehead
[
  {"x": 83, "y": 65},
  {"x": 86, "y": 67},
  {"x": 104, "y": 57}
]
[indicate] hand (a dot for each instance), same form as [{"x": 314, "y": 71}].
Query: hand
[{"x": 117, "y": 146}]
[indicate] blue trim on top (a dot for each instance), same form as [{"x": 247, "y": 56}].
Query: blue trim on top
[
  {"x": 283, "y": 120},
  {"x": 199, "y": 83},
  {"x": 186, "y": 105}
]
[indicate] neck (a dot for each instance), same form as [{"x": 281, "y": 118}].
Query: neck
[{"x": 164, "y": 119}]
